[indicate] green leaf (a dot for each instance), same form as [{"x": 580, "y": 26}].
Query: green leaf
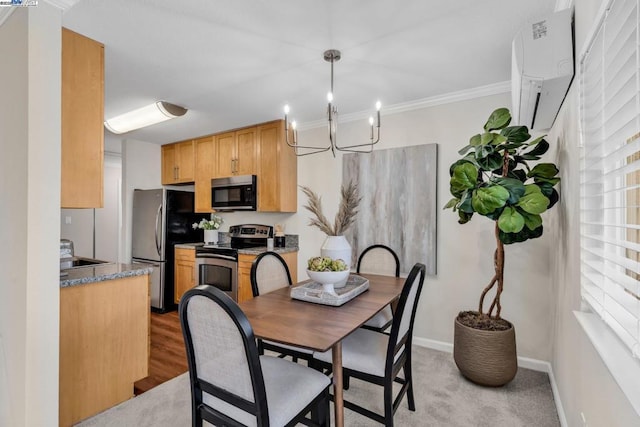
[
  {"x": 464, "y": 149},
  {"x": 516, "y": 134},
  {"x": 491, "y": 162},
  {"x": 550, "y": 181},
  {"x": 475, "y": 140},
  {"x": 510, "y": 220},
  {"x": 452, "y": 203},
  {"x": 536, "y": 140},
  {"x": 532, "y": 221},
  {"x": 464, "y": 177},
  {"x": 533, "y": 201},
  {"x": 524, "y": 234},
  {"x": 458, "y": 162},
  {"x": 498, "y": 139},
  {"x": 464, "y": 217},
  {"x": 541, "y": 148},
  {"x": 515, "y": 187},
  {"x": 486, "y": 138},
  {"x": 543, "y": 170},
  {"x": 483, "y": 151},
  {"x": 465, "y": 202},
  {"x": 498, "y": 119},
  {"x": 518, "y": 174},
  {"x": 487, "y": 199}
]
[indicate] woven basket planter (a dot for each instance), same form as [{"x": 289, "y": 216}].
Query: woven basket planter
[{"x": 485, "y": 357}]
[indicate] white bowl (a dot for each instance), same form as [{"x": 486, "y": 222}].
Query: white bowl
[{"x": 336, "y": 278}]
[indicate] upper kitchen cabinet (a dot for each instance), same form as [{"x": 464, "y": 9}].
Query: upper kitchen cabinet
[
  {"x": 178, "y": 163},
  {"x": 277, "y": 171},
  {"x": 82, "y": 122},
  {"x": 237, "y": 152},
  {"x": 206, "y": 157}
]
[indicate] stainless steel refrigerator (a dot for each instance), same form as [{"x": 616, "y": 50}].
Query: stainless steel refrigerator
[{"x": 162, "y": 218}]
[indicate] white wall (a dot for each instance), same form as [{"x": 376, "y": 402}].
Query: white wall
[
  {"x": 465, "y": 252},
  {"x": 30, "y": 214},
  {"x": 141, "y": 168},
  {"x": 584, "y": 382}
]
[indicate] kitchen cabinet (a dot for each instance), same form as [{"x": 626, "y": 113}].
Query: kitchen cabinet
[
  {"x": 104, "y": 345},
  {"x": 237, "y": 152},
  {"x": 277, "y": 170},
  {"x": 178, "y": 163},
  {"x": 82, "y": 115},
  {"x": 206, "y": 158},
  {"x": 185, "y": 271},
  {"x": 244, "y": 272}
]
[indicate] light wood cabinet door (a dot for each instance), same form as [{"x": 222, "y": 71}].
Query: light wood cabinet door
[
  {"x": 291, "y": 258},
  {"x": 178, "y": 163},
  {"x": 205, "y": 170},
  {"x": 244, "y": 277},
  {"x": 104, "y": 345},
  {"x": 226, "y": 146},
  {"x": 277, "y": 171},
  {"x": 184, "y": 277},
  {"x": 186, "y": 161},
  {"x": 246, "y": 157},
  {"x": 169, "y": 173},
  {"x": 82, "y": 156}
]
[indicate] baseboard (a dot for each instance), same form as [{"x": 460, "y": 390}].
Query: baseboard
[{"x": 523, "y": 362}]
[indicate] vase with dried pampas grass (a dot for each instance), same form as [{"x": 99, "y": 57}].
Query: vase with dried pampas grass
[{"x": 335, "y": 245}]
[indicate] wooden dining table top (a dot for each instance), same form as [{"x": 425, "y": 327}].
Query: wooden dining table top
[{"x": 278, "y": 317}]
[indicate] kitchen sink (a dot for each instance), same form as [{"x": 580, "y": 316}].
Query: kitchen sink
[{"x": 73, "y": 262}]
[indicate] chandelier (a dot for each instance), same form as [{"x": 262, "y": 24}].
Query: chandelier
[{"x": 332, "y": 56}]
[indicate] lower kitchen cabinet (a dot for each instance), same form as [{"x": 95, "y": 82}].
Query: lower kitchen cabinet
[
  {"x": 244, "y": 272},
  {"x": 185, "y": 274},
  {"x": 104, "y": 345}
]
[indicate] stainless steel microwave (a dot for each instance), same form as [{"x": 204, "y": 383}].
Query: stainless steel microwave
[{"x": 234, "y": 193}]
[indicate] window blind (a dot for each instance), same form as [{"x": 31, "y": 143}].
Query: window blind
[{"x": 610, "y": 172}]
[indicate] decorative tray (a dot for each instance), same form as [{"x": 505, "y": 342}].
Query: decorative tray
[{"x": 315, "y": 292}]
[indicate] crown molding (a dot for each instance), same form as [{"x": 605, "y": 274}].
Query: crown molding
[
  {"x": 447, "y": 98},
  {"x": 62, "y": 4}
]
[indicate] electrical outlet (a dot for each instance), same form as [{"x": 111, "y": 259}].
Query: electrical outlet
[
  {"x": 584, "y": 419},
  {"x": 67, "y": 220}
]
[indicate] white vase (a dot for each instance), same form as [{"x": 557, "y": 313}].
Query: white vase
[
  {"x": 337, "y": 247},
  {"x": 210, "y": 237}
]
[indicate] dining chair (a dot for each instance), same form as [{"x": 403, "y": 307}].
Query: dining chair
[
  {"x": 379, "y": 259},
  {"x": 378, "y": 358},
  {"x": 269, "y": 271},
  {"x": 231, "y": 384}
]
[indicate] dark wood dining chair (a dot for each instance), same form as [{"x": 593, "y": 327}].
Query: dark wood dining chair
[
  {"x": 378, "y": 358},
  {"x": 379, "y": 259},
  {"x": 231, "y": 384},
  {"x": 269, "y": 272}
]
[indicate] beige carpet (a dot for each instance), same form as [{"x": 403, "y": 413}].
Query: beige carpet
[{"x": 443, "y": 398}]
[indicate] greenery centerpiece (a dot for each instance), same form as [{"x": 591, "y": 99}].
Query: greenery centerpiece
[
  {"x": 495, "y": 179},
  {"x": 210, "y": 227}
]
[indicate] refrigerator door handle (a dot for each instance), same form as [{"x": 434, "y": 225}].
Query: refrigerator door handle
[{"x": 158, "y": 216}]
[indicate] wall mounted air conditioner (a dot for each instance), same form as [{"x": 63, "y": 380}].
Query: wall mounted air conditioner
[{"x": 542, "y": 70}]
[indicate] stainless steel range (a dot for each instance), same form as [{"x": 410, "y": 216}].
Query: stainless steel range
[{"x": 217, "y": 265}]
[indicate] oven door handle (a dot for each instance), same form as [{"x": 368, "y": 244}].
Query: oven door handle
[{"x": 230, "y": 258}]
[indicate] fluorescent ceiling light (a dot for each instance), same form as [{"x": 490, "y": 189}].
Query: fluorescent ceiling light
[{"x": 145, "y": 116}]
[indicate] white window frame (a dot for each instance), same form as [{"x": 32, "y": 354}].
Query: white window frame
[{"x": 612, "y": 327}]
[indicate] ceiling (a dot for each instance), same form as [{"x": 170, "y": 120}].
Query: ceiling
[{"x": 237, "y": 63}]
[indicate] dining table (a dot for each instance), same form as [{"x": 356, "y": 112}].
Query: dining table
[{"x": 276, "y": 316}]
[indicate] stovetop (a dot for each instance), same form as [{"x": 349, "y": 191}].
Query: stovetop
[{"x": 242, "y": 237}]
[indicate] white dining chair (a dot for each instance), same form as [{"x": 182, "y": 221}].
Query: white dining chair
[
  {"x": 379, "y": 259},
  {"x": 269, "y": 272},
  {"x": 378, "y": 358},
  {"x": 231, "y": 384}
]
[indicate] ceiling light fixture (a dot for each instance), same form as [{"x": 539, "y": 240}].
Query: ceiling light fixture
[
  {"x": 145, "y": 116},
  {"x": 332, "y": 56}
]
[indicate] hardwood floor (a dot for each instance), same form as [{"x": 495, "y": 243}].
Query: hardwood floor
[{"x": 168, "y": 357}]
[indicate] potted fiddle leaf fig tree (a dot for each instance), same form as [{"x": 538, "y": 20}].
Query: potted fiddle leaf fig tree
[{"x": 496, "y": 178}]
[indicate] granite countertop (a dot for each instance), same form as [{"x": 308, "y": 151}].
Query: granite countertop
[{"x": 102, "y": 272}]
